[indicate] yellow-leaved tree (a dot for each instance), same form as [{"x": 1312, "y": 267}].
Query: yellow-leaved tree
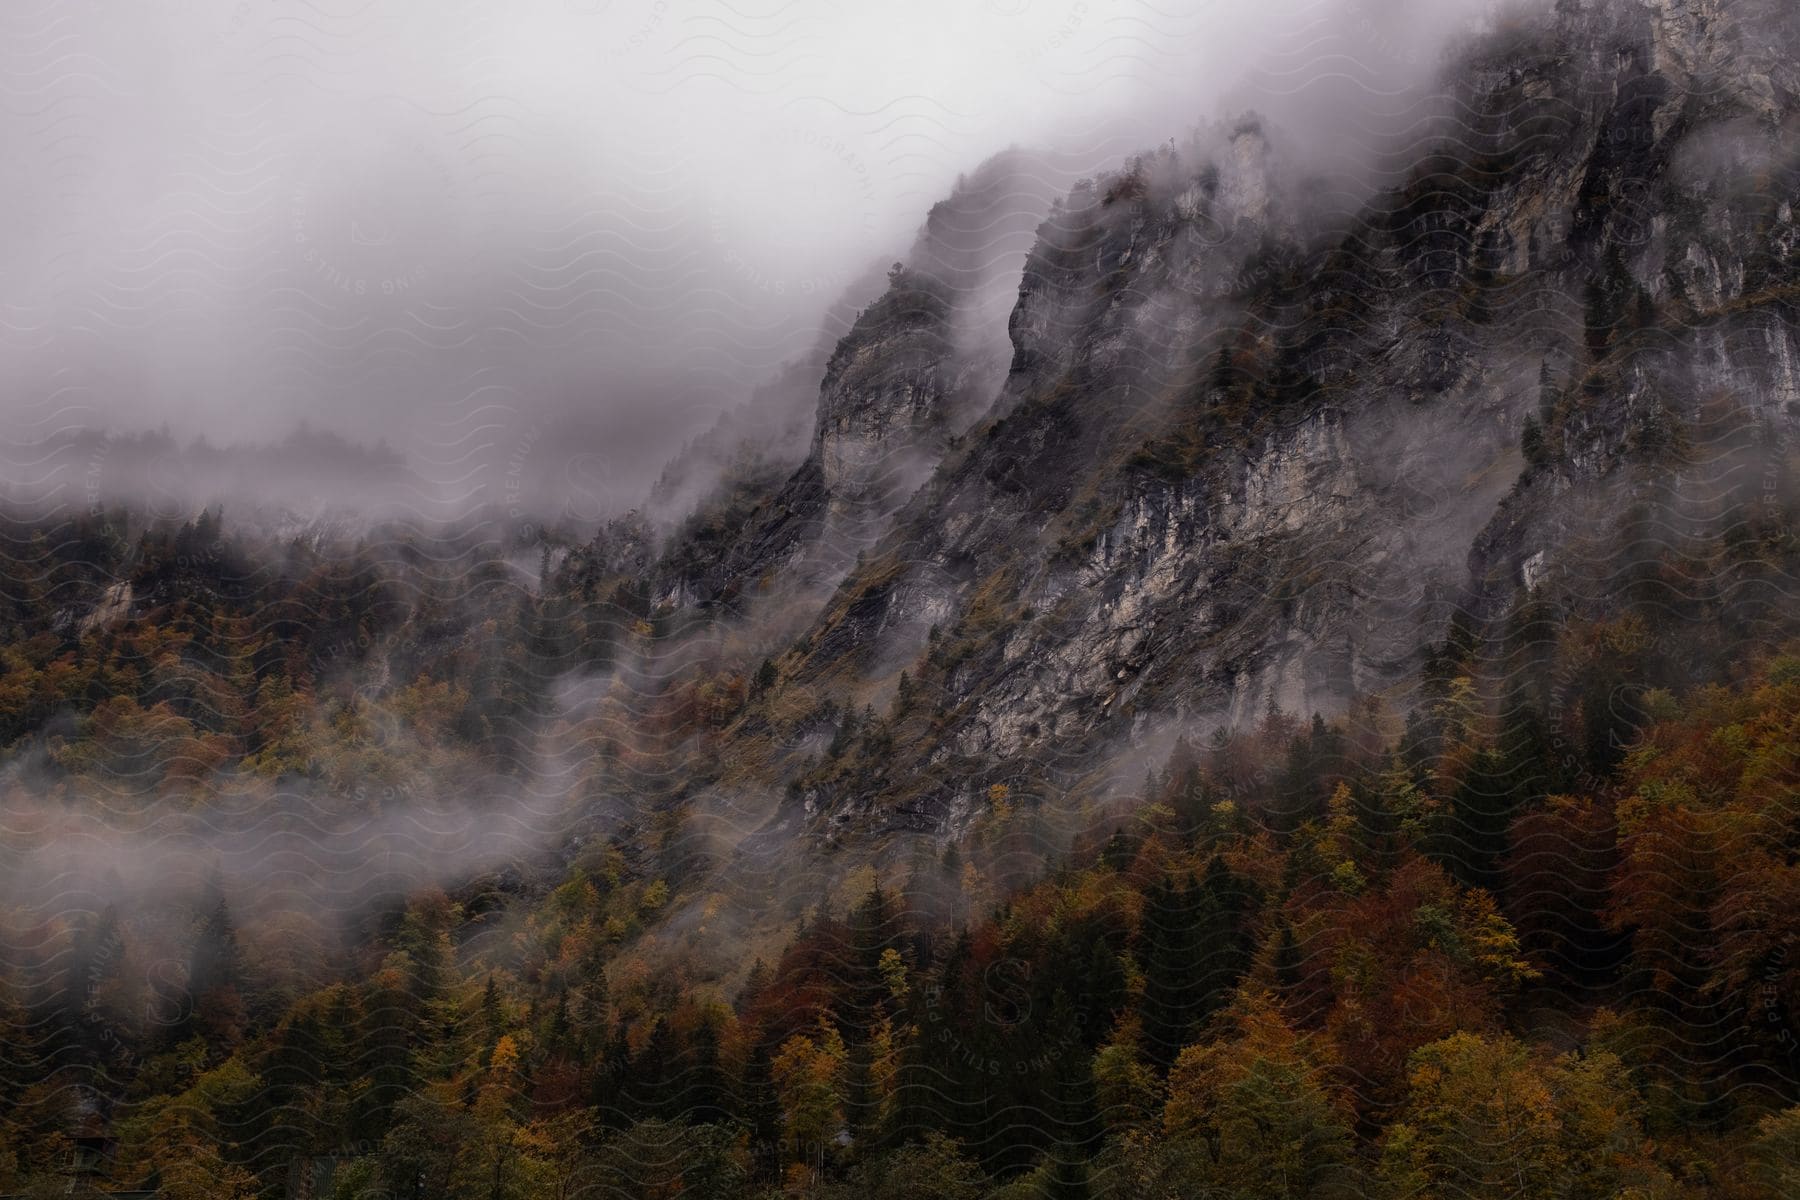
[
  {"x": 1489, "y": 1117},
  {"x": 809, "y": 1079}
]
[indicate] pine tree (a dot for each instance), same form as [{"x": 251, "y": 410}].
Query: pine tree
[
  {"x": 1228, "y": 899},
  {"x": 97, "y": 950},
  {"x": 652, "y": 1085},
  {"x": 1532, "y": 444},
  {"x": 1473, "y": 836},
  {"x": 613, "y": 1083},
  {"x": 761, "y": 1107},
  {"x": 706, "y": 1089},
  {"x": 1118, "y": 852},
  {"x": 215, "y": 965},
  {"x": 493, "y": 1020},
  {"x": 1170, "y": 952},
  {"x": 1071, "y": 1092},
  {"x": 1287, "y": 959}
]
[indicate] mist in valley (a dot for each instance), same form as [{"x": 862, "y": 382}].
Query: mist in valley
[{"x": 419, "y": 282}]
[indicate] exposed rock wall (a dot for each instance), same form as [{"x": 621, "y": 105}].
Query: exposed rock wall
[{"x": 1260, "y": 441}]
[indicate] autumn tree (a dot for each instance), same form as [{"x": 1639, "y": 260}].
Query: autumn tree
[
  {"x": 1488, "y": 1117},
  {"x": 808, "y": 1074},
  {"x": 1259, "y": 1106}
]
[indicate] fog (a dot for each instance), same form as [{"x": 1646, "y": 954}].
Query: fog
[
  {"x": 420, "y": 255},
  {"x": 548, "y": 239}
]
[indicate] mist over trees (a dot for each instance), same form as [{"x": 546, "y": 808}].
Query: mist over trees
[{"x": 1258, "y": 658}]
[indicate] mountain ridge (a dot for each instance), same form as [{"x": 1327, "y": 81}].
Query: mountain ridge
[{"x": 1240, "y": 460}]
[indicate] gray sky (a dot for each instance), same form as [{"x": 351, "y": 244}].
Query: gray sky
[{"x": 483, "y": 230}]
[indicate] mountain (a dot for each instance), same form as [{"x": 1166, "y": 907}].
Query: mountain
[
  {"x": 1251, "y": 675},
  {"x": 1263, "y": 443}
]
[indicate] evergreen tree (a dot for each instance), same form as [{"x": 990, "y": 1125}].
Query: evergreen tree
[
  {"x": 1473, "y": 836},
  {"x": 1071, "y": 1092},
  {"x": 706, "y": 1089},
  {"x": 1532, "y": 444},
  {"x": 1171, "y": 957},
  {"x": 1118, "y": 852},
  {"x": 761, "y": 1108},
  {"x": 215, "y": 966},
  {"x": 493, "y": 1020},
  {"x": 614, "y": 1091},
  {"x": 1287, "y": 960},
  {"x": 1228, "y": 900}
]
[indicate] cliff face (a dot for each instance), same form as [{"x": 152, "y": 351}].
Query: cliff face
[
  {"x": 914, "y": 368},
  {"x": 1262, "y": 442}
]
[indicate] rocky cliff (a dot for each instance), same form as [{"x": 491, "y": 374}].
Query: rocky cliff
[
  {"x": 914, "y": 368},
  {"x": 1266, "y": 440}
]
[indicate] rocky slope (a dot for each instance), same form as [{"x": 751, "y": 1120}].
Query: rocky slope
[
  {"x": 916, "y": 366},
  {"x": 1265, "y": 441}
]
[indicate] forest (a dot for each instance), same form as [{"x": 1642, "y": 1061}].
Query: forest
[
  {"x": 1258, "y": 660},
  {"x": 1535, "y": 939}
]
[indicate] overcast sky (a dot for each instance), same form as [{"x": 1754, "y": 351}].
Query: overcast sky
[{"x": 458, "y": 224}]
